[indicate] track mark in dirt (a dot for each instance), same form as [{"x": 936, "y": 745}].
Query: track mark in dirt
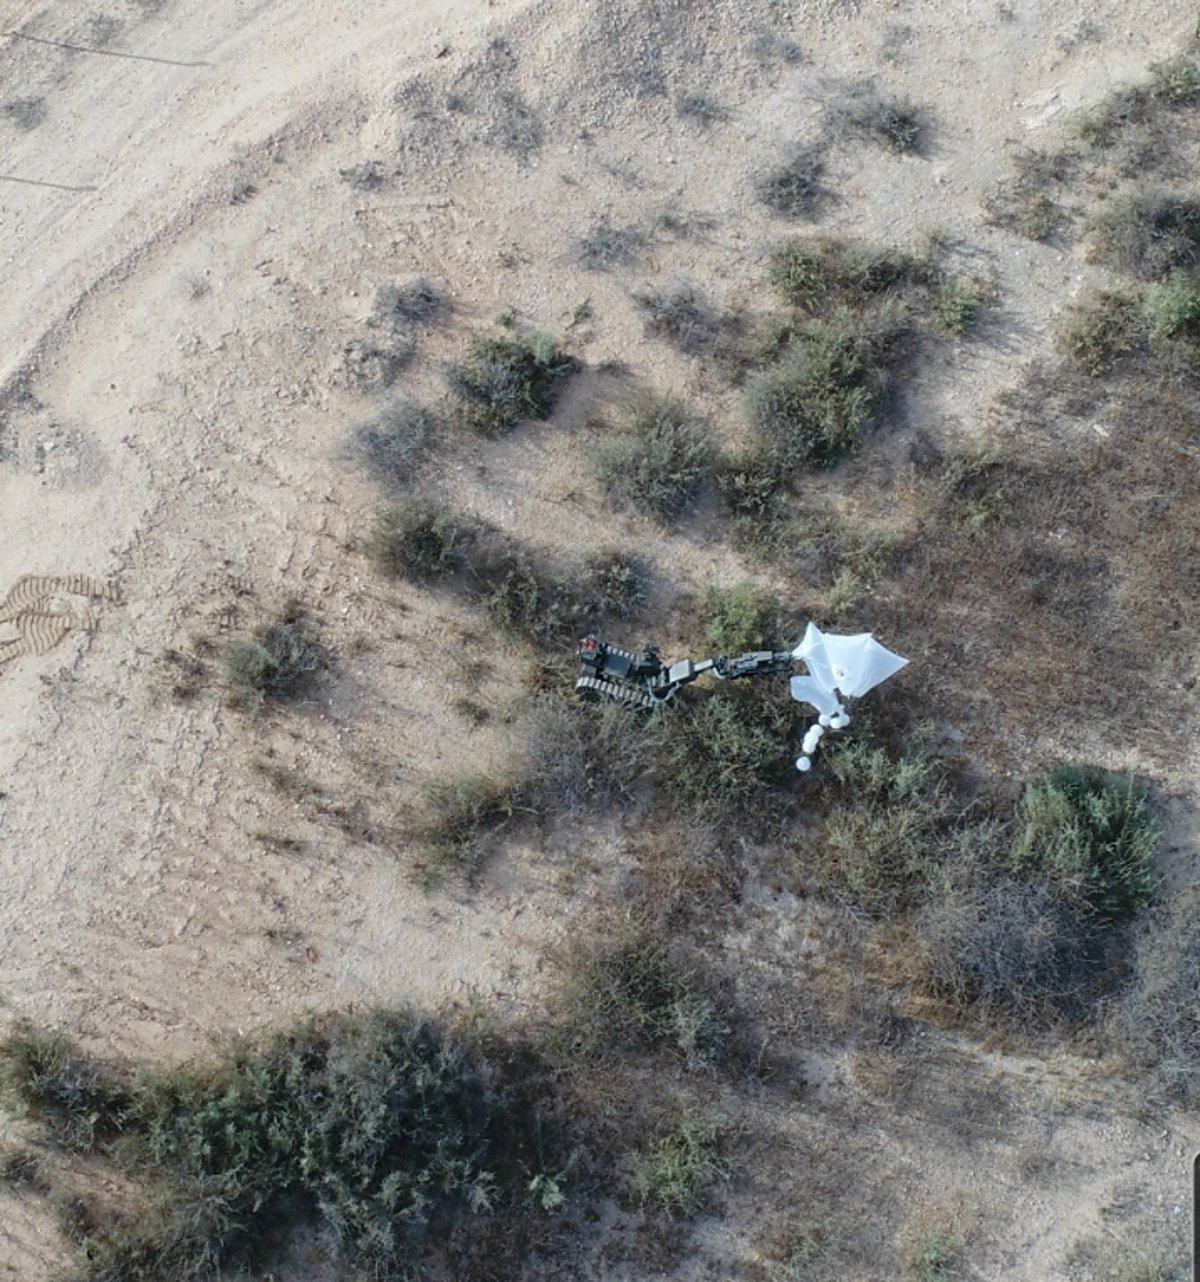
[{"x": 36, "y": 609}]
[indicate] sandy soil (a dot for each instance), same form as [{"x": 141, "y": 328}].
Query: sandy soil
[{"x": 181, "y": 268}]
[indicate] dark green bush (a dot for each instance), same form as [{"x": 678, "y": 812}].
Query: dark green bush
[
  {"x": 375, "y": 1128},
  {"x": 507, "y": 379},
  {"x": 277, "y": 662},
  {"x": 41, "y": 1073},
  {"x": 1092, "y": 835},
  {"x": 657, "y": 460},
  {"x": 420, "y": 538}
]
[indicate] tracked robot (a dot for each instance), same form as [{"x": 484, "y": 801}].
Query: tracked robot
[{"x": 837, "y": 667}]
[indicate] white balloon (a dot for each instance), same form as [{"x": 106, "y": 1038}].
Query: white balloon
[{"x": 803, "y": 764}]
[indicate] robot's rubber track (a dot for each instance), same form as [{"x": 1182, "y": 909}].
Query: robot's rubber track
[{"x": 597, "y": 688}]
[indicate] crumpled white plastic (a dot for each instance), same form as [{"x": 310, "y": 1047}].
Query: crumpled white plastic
[{"x": 849, "y": 665}]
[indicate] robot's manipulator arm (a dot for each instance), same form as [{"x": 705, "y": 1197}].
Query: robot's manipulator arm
[{"x": 754, "y": 663}]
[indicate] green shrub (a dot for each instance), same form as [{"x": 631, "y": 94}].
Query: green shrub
[
  {"x": 1176, "y": 81},
  {"x": 393, "y": 444},
  {"x": 719, "y": 753},
  {"x": 752, "y": 486},
  {"x": 814, "y": 274},
  {"x": 657, "y": 460},
  {"x": 549, "y": 605},
  {"x": 40, "y": 1074},
  {"x": 742, "y": 617},
  {"x": 1172, "y": 306},
  {"x": 956, "y": 305},
  {"x": 535, "y": 603},
  {"x": 1092, "y": 834},
  {"x": 616, "y": 584},
  {"x": 420, "y": 538},
  {"x": 375, "y": 1128},
  {"x": 815, "y": 406},
  {"x": 507, "y": 379},
  {"x": 465, "y": 815},
  {"x": 631, "y": 994},
  {"x": 277, "y": 662},
  {"x": 935, "y": 1257},
  {"x": 677, "y": 1171},
  {"x": 883, "y": 835}
]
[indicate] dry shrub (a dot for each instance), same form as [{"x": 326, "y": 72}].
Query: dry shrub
[
  {"x": 680, "y": 314},
  {"x": 1081, "y": 588},
  {"x": 1148, "y": 234},
  {"x": 578, "y": 755},
  {"x": 1158, "y": 1014},
  {"x": 861, "y": 111},
  {"x": 794, "y": 188},
  {"x": 633, "y": 991},
  {"x": 1013, "y": 947}
]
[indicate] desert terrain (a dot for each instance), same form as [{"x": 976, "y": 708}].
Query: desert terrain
[{"x": 199, "y": 207}]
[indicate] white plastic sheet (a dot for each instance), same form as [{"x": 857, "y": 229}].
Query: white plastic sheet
[
  {"x": 836, "y": 664},
  {"x": 849, "y": 664}
]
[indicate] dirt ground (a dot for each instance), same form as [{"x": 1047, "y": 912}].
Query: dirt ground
[{"x": 182, "y": 266}]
